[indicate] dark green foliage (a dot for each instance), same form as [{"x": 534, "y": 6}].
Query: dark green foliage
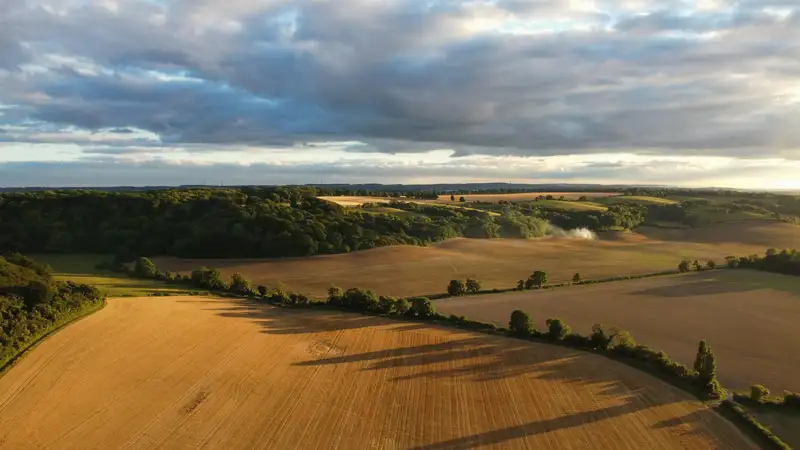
[
  {"x": 765, "y": 436},
  {"x": 521, "y": 323},
  {"x": 537, "y": 279},
  {"x": 386, "y": 305},
  {"x": 144, "y": 268},
  {"x": 556, "y": 329},
  {"x": 31, "y": 304},
  {"x": 240, "y": 285},
  {"x": 456, "y": 287},
  {"x": 402, "y": 307},
  {"x": 335, "y": 295},
  {"x": 422, "y": 307},
  {"x": 792, "y": 400},
  {"x": 785, "y": 261},
  {"x": 576, "y": 278},
  {"x": 462, "y": 199},
  {"x": 360, "y": 299},
  {"x": 208, "y": 278},
  {"x": 599, "y": 339},
  {"x": 262, "y": 290},
  {"x": 685, "y": 266},
  {"x": 758, "y": 392},
  {"x": 473, "y": 286},
  {"x": 621, "y": 339},
  {"x": 732, "y": 261},
  {"x": 711, "y": 265},
  {"x": 705, "y": 363},
  {"x": 520, "y": 285}
]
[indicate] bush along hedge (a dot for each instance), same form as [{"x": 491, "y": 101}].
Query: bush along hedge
[{"x": 763, "y": 435}]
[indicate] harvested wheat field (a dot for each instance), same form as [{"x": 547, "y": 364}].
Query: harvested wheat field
[
  {"x": 526, "y": 196},
  {"x": 354, "y": 200},
  {"x": 750, "y": 318},
  {"x": 189, "y": 372},
  {"x": 499, "y": 263}
]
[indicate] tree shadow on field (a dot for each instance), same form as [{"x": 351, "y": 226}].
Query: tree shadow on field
[
  {"x": 274, "y": 320},
  {"x": 696, "y": 287}
]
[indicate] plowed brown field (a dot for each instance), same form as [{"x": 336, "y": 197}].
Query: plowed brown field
[
  {"x": 499, "y": 263},
  {"x": 186, "y": 372},
  {"x": 750, "y": 318}
]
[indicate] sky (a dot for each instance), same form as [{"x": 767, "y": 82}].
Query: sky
[{"x": 169, "y": 92}]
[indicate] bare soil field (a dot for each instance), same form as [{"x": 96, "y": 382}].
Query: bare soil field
[
  {"x": 189, "y": 372},
  {"x": 749, "y": 318},
  {"x": 499, "y": 263},
  {"x": 526, "y": 196}
]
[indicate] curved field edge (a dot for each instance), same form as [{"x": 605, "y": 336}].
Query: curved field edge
[
  {"x": 57, "y": 326},
  {"x": 229, "y": 387}
]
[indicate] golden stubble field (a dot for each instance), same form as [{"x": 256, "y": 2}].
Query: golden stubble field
[
  {"x": 750, "y": 318},
  {"x": 357, "y": 200},
  {"x": 499, "y": 263},
  {"x": 190, "y": 372}
]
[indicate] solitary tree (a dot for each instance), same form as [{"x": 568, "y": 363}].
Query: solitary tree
[
  {"x": 520, "y": 323},
  {"x": 539, "y": 279},
  {"x": 462, "y": 199},
  {"x": 144, "y": 268},
  {"x": 576, "y": 278},
  {"x": 452, "y": 198},
  {"x": 456, "y": 287},
  {"x": 684, "y": 266},
  {"x": 705, "y": 363},
  {"x": 473, "y": 286}
]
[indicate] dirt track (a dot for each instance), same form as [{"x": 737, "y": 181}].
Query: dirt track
[
  {"x": 188, "y": 372},
  {"x": 750, "y": 318}
]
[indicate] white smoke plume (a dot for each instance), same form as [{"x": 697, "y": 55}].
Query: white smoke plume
[{"x": 577, "y": 233}]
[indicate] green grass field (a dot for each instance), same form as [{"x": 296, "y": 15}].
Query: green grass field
[{"x": 81, "y": 269}]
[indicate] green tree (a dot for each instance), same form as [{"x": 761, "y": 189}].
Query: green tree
[
  {"x": 696, "y": 265},
  {"x": 599, "y": 339},
  {"x": 239, "y": 284},
  {"x": 621, "y": 339},
  {"x": 684, "y": 266},
  {"x": 520, "y": 323},
  {"x": 557, "y": 329},
  {"x": 386, "y": 304},
  {"x": 539, "y": 279},
  {"x": 520, "y": 285},
  {"x": 262, "y": 290},
  {"x": 144, "y": 268},
  {"x": 576, "y": 278},
  {"x": 473, "y": 286},
  {"x": 733, "y": 262},
  {"x": 402, "y": 307},
  {"x": 705, "y": 363},
  {"x": 456, "y": 288},
  {"x": 758, "y": 392},
  {"x": 335, "y": 295},
  {"x": 452, "y": 198},
  {"x": 711, "y": 265},
  {"x": 422, "y": 307},
  {"x": 462, "y": 199}
]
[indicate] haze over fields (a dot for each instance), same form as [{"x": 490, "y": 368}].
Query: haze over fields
[{"x": 142, "y": 92}]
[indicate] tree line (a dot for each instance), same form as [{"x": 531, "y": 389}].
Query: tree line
[
  {"x": 785, "y": 261},
  {"x": 32, "y": 304}
]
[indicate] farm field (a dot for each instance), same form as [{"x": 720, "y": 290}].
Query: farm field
[
  {"x": 81, "y": 269},
  {"x": 748, "y": 317},
  {"x": 354, "y": 200},
  {"x": 526, "y": 196},
  {"x": 499, "y": 263},
  {"x": 189, "y": 372},
  {"x": 643, "y": 199}
]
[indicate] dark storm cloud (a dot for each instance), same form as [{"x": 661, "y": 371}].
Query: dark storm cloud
[{"x": 410, "y": 76}]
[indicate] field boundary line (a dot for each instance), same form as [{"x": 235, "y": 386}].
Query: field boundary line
[{"x": 35, "y": 343}]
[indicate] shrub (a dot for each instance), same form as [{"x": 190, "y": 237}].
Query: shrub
[
  {"x": 576, "y": 278},
  {"x": 144, "y": 268},
  {"x": 239, "y": 284},
  {"x": 360, "y": 299},
  {"x": 621, "y": 339},
  {"x": 684, "y": 266},
  {"x": 599, "y": 339},
  {"x": 456, "y": 288},
  {"x": 262, "y": 290},
  {"x": 520, "y": 285},
  {"x": 711, "y": 265},
  {"x": 473, "y": 286},
  {"x": 758, "y": 392},
  {"x": 520, "y": 323},
  {"x": 207, "y": 278},
  {"x": 335, "y": 295},
  {"x": 732, "y": 261},
  {"x": 557, "y": 329},
  {"x": 578, "y": 340},
  {"x": 422, "y": 307},
  {"x": 386, "y": 305},
  {"x": 792, "y": 400},
  {"x": 402, "y": 307},
  {"x": 537, "y": 280}
]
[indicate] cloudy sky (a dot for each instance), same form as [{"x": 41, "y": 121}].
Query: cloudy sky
[{"x": 138, "y": 92}]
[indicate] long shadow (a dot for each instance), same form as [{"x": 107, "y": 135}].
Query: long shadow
[
  {"x": 708, "y": 286},
  {"x": 531, "y": 429}
]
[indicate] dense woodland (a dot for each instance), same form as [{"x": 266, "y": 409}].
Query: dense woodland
[
  {"x": 32, "y": 304},
  {"x": 785, "y": 261}
]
